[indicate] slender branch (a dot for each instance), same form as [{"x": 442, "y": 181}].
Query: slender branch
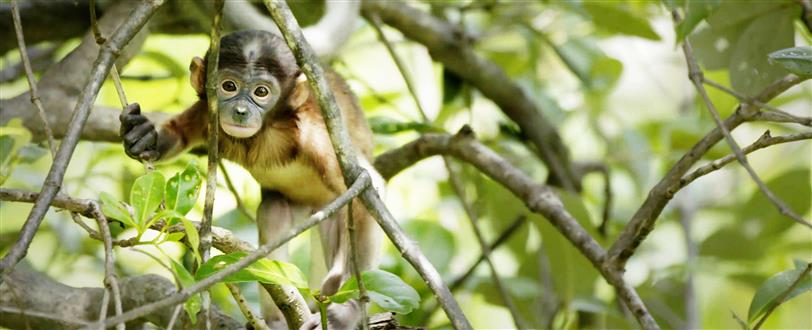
[
  {"x": 363, "y": 297},
  {"x": 446, "y": 44},
  {"x": 645, "y": 217},
  {"x": 29, "y": 74},
  {"x": 696, "y": 76},
  {"x": 110, "y": 277},
  {"x": 783, "y": 297},
  {"x": 455, "y": 183},
  {"x": 538, "y": 198},
  {"x": 122, "y": 97},
  {"x": 782, "y": 117},
  {"x": 256, "y": 322},
  {"x": 603, "y": 169},
  {"x": 340, "y": 140},
  {"x": 233, "y": 189},
  {"x": 107, "y": 54},
  {"x": 503, "y": 237},
  {"x": 174, "y": 318},
  {"x": 459, "y": 190},
  {"x": 357, "y": 187},
  {"x": 764, "y": 141}
]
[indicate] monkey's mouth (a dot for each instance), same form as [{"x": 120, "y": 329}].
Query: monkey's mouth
[{"x": 239, "y": 131}]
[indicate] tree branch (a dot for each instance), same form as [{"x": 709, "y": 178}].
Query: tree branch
[
  {"x": 538, "y": 198},
  {"x": 339, "y": 137},
  {"x": 53, "y": 181},
  {"x": 30, "y": 300},
  {"x": 358, "y": 186},
  {"x": 445, "y": 44},
  {"x": 764, "y": 141},
  {"x": 645, "y": 217}
]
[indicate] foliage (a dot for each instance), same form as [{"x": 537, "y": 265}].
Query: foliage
[{"x": 610, "y": 79}]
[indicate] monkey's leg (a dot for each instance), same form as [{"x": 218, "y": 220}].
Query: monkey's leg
[{"x": 274, "y": 218}]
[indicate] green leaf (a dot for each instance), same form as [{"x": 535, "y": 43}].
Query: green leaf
[
  {"x": 749, "y": 68},
  {"x": 617, "y": 19},
  {"x": 789, "y": 189},
  {"x": 115, "y": 209},
  {"x": 384, "y": 289},
  {"x": 797, "y": 60},
  {"x": 146, "y": 195},
  {"x": 185, "y": 279},
  {"x": 192, "y": 236},
  {"x": 263, "y": 270},
  {"x": 768, "y": 294},
  {"x": 182, "y": 189},
  {"x": 173, "y": 237},
  {"x": 696, "y": 11}
]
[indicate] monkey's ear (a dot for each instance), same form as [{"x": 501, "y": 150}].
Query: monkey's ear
[
  {"x": 300, "y": 92},
  {"x": 198, "y": 78}
]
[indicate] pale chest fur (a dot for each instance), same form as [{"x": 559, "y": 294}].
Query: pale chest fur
[{"x": 298, "y": 180}]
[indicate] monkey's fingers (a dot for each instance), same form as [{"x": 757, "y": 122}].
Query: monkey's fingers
[
  {"x": 129, "y": 121},
  {"x": 146, "y": 143},
  {"x": 135, "y": 134}
]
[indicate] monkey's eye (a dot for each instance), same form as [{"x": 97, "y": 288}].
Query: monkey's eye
[
  {"x": 229, "y": 86},
  {"x": 261, "y": 91}
]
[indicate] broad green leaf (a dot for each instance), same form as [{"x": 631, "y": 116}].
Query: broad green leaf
[
  {"x": 441, "y": 241},
  {"x": 617, "y": 19},
  {"x": 696, "y": 11},
  {"x": 192, "y": 236},
  {"x": 182, "y": 189},
  {"x": 749, "y": 68},
  {"x": 384, "y": 289},
  {"x": 604, "y": 72},
  {"x": 732, "y": 244},
  {"x": 185, "y": 279},
  {"x": 797, "y": 60},
  {"x": 173, "y": 237},
  {"x": 789, "y": 188},
  {"x": 732, "y": 13},
  {"x": 384, "y": 125},
  {"x": 263, "y": 270},
  {"x": 6, "y": 146},
  {"x": 768, "y": 294},
  {"x": 146, "y": 195},
  {"x": 114, "y": 209}
]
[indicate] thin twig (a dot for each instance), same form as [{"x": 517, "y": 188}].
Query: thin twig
[
  {"x": 741, "y": 97},
  {"x": 783, "y": 297},
  {"x": 110, "y": 277},
  {"x": 107, "y": 55},
  {"x": 503, "y": 237},
  {"x": 122, "y": 98},
  {"x": 348, "y": 161},
  {"x": 233, "y": 189},
  {"x": 453, "y": 176},
  {"x": 256, "y": 322},
  {"x": 782, "y": 117},
  {"x": 363, "y": 297},
  {"x": 696, "y": 76},
  {"x": 212, "y": 60},
  {"x": 355, "y": 189},
  {"x": 174, "y": 318},
  {"x": 29, "y": 74},
  {"x": 764, "y": 141},
  {"x": 645, "y": 218}
]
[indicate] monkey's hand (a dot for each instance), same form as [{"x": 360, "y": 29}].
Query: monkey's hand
[
  {"x": 344, "y": 316},
  {"x": 139, "y": 134}
]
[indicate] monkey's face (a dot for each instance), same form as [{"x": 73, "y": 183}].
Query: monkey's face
[
  {"x": 254, "y": 71},
  {"x": 244, "y": 100}
]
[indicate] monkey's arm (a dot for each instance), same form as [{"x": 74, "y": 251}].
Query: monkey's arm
[{"x": 143, "y": 142}]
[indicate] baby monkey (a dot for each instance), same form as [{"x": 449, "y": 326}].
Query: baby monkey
[{"x": 271, "y": 124}]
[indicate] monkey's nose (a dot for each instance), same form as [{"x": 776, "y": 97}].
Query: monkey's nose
[{"x": 241, "y": 111}]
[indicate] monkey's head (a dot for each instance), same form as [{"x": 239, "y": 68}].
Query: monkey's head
[{"x": 256, "y": 72}]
